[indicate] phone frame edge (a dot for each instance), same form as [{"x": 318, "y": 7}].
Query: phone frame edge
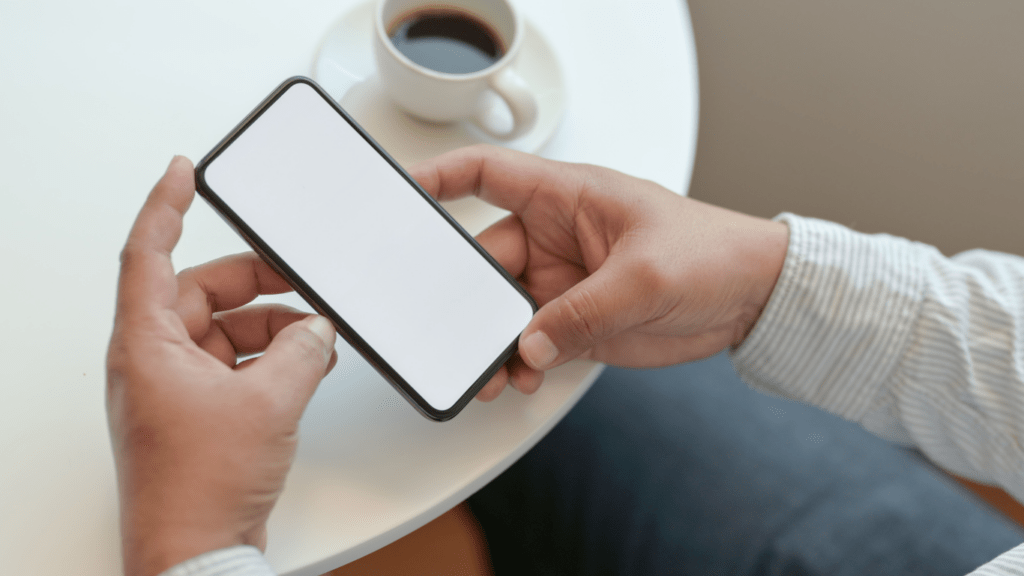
[{"x": 310, "y": 296}]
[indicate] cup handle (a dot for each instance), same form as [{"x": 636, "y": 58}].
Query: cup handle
[{"x": 521, "y": 102}]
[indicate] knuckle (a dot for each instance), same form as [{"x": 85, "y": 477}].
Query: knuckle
[
  {"x": 647, "y": 287},
  {"x": 593, "y": 178},
  {"x": 186, "y": 274},
  {"x": 580, "y": 315},
  {"x": 125, "y": 361},
  {"x": 649, "y": 276},
  {"x": 129, "y": 254},
  {"x": 117, "y": 374},
  {"x": 486, "y": 150},
  {"x": 590, "y": 172},
  {"x": 308, "y": 346}
]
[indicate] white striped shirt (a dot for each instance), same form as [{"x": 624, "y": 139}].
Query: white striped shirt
[{"x": 919, "y": 348}]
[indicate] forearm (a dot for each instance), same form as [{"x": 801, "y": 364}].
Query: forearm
[{"x": 915, "y": 346}]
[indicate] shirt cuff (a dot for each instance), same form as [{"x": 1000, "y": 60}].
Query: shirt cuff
[
  {"x": 233, "y": 561},
  {"x": 838, "y": 320}
]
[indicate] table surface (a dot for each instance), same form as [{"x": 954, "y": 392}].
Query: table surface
[{"x": 97, "y": 98}]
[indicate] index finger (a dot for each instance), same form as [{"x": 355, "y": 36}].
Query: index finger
[
  {"x": 505, "y": 178},
  {"x": 223, "y": 284},
  {"x": 147, "y": 282}
]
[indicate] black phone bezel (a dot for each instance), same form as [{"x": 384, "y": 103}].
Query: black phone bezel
[{"x": 314, "y": 299}]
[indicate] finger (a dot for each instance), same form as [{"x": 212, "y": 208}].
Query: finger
[
  {"x": 251, "y": 329},
  {"x": 247, "y": 330},
  {"x": 611, "y": 300},
  {"x": 147, "y": 283},
  {"x": 223, "y": 284},
  {"x": 522, "y": 377},
  {"x": 499, "y": 176},
  {"x": 505, "y": 241},
  {"x": 295, "y": 362},
  {"x": 330, "y": 365},
  {"x": 494, "y": 386}
]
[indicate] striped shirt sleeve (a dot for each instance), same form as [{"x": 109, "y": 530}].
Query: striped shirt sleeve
[
  {"x": 918, "y": 348},
  {"x": 233, "y": 561}
]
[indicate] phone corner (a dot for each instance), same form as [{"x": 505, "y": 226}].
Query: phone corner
[
  {"x": 199, "y": 174},
  {"x": 298, "y": 79}
]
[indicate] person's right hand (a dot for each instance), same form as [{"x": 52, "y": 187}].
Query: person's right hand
[{"x": 625, "y": 271}]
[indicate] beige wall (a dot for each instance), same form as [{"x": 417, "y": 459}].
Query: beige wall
[{"x": 885, "y": 115}]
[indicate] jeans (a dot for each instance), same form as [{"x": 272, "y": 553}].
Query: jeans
[{"x": 686, "y": 470}]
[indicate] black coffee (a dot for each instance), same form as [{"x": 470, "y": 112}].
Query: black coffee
[{"x": 446, "y": 41}]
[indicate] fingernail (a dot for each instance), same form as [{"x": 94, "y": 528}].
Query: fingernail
[
  {"x": 538, "y": 350},
  {"x": 324, "y": 330}
]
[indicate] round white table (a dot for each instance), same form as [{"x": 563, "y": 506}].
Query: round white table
[{"x": 97, "y": 98}]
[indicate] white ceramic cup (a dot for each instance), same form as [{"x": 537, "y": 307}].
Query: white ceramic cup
[{"x": 445, "y": 97}]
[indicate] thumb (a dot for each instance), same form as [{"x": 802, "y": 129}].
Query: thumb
[
  {"x": 297, "y": 359},
  {"x": 601, "y": 306}
]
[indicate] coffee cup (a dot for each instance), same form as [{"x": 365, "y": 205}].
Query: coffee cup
[{"x": 439, "y": 60}]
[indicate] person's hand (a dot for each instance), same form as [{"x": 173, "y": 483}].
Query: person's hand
[
  {"x": 625, "y": 271},
  {"x": 202, "y": 444}
]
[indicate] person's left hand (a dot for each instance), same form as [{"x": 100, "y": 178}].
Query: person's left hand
[{"x": 202, "y": 443}]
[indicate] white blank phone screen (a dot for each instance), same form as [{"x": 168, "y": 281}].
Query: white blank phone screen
[{"x": 373, "y": 249}]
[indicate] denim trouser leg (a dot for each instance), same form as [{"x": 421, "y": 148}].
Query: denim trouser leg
[{"x": 685, "y": 470}]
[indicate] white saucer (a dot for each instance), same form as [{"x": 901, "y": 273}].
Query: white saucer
[{"x": 345, "y": 68}]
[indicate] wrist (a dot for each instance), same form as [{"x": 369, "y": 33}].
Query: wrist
[
  {"x": 763, "y": 253},
  {"x": 157, "y": 537},
  {"x": 149, "y": 554}
]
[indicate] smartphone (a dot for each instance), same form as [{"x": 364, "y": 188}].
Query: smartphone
[{"x": 366, "y": 247}]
